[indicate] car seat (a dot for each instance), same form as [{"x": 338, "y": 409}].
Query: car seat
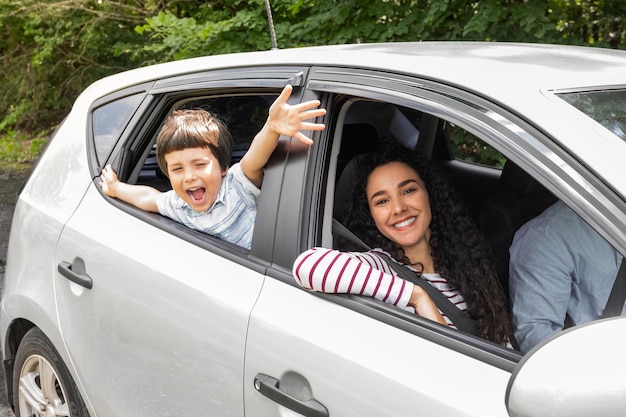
[
  {"x": 356, "y": 139},
  {"x": 520, "y": 198}
]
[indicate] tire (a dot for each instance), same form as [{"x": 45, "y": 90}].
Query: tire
[{"x": 54, "y": 394}]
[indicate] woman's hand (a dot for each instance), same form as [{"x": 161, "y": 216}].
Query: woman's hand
[{"x": 424, "y": 306}]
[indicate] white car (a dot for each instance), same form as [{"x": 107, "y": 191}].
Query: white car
[{"x": 111, "y": 311}]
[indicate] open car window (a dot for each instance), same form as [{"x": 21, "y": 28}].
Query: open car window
[
  {"x": 500, "y": 196},
  {"x": 243, "y": 114}
]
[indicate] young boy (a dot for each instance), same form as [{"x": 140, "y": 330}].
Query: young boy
[{"x": 193, "y": 150}]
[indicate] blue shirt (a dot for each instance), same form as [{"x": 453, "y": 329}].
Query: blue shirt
[
  {"x": 230, "y": 217},
  {"x": 559, "y": 265}
]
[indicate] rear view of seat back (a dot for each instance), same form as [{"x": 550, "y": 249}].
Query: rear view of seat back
[{"x": 356, "y": 139}]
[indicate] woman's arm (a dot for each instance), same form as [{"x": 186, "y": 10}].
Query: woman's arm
[
  {"x": 336, "y": 272},
  {"x": 424, "y": 305},
  {"x": 333, "y": 271}
]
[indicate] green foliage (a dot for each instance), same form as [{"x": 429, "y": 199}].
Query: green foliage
[
  {"x": 50, "y": 50},
  {"x": 590, "y": 22},
  {"x": 468, "y": 147},
  {"x": 511, "y": 20},
  {"x": 216, "y": 28},
  {"x": 18, "y": 148}
]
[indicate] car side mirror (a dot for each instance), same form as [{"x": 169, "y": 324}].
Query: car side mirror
[{"x": 580, "y": 372}]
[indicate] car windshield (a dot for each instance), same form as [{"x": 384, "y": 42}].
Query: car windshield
[{"x": 607, "y": 107}]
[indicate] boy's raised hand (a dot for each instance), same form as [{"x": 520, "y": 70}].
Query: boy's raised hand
[{"x": 288, "y": 120}]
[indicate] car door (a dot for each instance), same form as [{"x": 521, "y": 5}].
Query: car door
[
  {"x": 154, "y": 316},
  {"x": 319, "y": 358},
  {"x": 339, "y": 355},
  {"x": 162, "y": 329}
]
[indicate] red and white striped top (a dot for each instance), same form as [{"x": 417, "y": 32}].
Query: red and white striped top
[{"x": 363, "y": 273}]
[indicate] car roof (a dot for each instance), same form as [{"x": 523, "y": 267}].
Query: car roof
[{"x": 479, "y": 66}]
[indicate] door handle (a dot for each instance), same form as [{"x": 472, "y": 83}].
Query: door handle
[
  {"x": 75, "y": 274},
  {"x": 270, "y": 387}
]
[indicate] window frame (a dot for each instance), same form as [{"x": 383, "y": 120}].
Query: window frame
[{"x": 141, "y": 130}]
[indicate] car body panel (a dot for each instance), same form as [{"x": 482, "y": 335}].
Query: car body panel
[
  {"x": 46, "y": 202},
  {"x": 137, "y": 291},
  {"x": 405, "y": 375}
]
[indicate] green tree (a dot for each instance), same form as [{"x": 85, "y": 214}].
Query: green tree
[
  {"x": 51, "y": 50},
  {"x": 596, "y": 22}
]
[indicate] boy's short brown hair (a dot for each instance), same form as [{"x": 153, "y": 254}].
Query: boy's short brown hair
[{"x": 195, "y": 128}]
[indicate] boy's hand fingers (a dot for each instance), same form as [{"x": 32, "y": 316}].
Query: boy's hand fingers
[
  {"x": 304, "y": 139},
  {"x": 312, "y": 126},
  {"x": 285, "y": 94},
  {"x": 307, "y": 105},
  {"x": 310, "y": 114}
]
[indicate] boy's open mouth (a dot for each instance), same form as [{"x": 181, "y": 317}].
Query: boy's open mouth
[{"x": 196, "y": 194}]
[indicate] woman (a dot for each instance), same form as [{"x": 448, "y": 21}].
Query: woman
[{"x": 403, "y": 207}]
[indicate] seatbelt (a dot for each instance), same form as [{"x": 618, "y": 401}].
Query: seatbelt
[
  {"x": 617, "y": 298},
  {"x": 460, "y": 319}
]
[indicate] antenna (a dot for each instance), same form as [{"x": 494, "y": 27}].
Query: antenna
[{"x": 270, "y": 20}]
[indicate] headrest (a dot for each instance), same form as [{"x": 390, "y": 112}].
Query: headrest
[
  {"x": 514, "y": 178},
  {"x": 345, "y": 185},
  {"x": 358, "y": 138}
]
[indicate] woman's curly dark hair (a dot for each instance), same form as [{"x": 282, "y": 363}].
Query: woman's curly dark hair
[{"x": 459, "y": 251}]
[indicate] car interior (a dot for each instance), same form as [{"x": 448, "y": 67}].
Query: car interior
[{"x": 500, "y": 196}]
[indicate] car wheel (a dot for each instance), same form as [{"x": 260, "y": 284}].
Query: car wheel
[{"x": 42, "y": 384}]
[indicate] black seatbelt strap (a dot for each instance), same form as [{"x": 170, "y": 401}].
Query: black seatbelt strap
[
  {"x": 617, "y": 298},
  {"x": 461, "y": 320}
]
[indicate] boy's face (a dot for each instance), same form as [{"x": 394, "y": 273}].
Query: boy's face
[{"x": 196, "y": 176}]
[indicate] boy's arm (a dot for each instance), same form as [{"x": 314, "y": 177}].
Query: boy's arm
[
  {"x": 140, "y": 196},
  {"x": 283, "y": 119}
]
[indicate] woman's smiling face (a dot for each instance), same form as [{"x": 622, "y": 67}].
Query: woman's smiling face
[{"x": 400, "y": 206}]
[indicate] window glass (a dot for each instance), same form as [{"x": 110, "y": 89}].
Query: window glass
[
  {"x": 605, "y": 107},
  {"x": 469, "y": 148},
  {"x": 109, "y": 121}
]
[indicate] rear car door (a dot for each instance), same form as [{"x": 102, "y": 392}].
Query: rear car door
[{"x": 154, "y": 315}]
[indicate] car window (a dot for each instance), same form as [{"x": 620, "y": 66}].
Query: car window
[
  {"x": 469, "y": 148},
  {"x": 109, "y": 121},
  {"x": 605, "y": 107},
  {"x": 359, "y": 137},
  {"x": 244, "y": 116},
  {"x": 499, "y": 196}
]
